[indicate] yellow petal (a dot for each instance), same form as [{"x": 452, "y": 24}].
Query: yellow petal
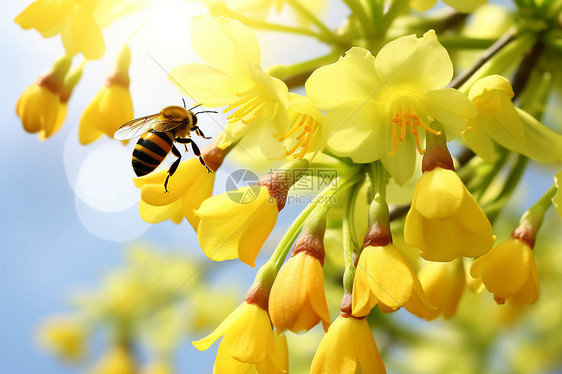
[
  {"x": 232, "y": 318},
  {"x": 83, "y": 34},
  {"x": 209, "y": 85},
  {"x": 336, "y": 352},
  {"x": 440, "y": 194},
  {"x": 247, "y": 340},
  {"x": 225, "y": 44},
  {"x": 47, "y": 16},
  {"x": 156, "y": 214},
  {"x": 465, "y": 6},
  {"x": 230, "y": 229},
  {"x": 353, "y": 77},
  {"x": 390, "y": 277},
  {"x": 368, "y": 355},
  {"x": 410, "y": 61}
]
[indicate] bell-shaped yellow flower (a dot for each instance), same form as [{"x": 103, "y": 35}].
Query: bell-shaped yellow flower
[
  {"x": 248, "y": 343},
  {"x": 463, "y": 6},
  {"x": 509, "y": 271},
  {"x": 42, "y": 106},
  {"x": 297, "y": 301},
  {"x": 305, "y": 133},
  {"x": 444, "y": 283},
  {"x": 188, "y": 188},
  {"x": 65, "y": 336},
  {"x": 381, "y": 108},
  {"x": 230, "y": 228},
  {"x": 118, "y": 360},
  {"x": 74, "y": 20},
  {"x": 384, "y": 277},
  {"x": 500, "y": 121},
  {"x": 111, "y": 107},
  {"x": 234, "y": 77},
  {"x": 237, "y": 223},
  {"x": 348, "y": 348},
  {"x": 444, "y": 220}
]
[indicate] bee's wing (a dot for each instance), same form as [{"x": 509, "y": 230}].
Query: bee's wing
[{"x": 139, "y": 126}]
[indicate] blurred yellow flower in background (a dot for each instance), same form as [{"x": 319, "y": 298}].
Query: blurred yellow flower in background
[
  {"x": 42, "y": 106},
  {"x": 444, "y": 283},
  {"x": 74, "y": 20},
  {"x": 111, "y": 107},
  {"x": 463, "y": 6},
  {"x": 118, "y": 360},
  {"x": 65, "y": 336}
]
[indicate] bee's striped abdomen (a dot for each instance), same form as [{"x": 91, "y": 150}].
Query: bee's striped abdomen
[{"x": 150, "y": 150}]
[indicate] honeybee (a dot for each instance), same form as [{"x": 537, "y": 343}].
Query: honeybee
[{"x": 158, "y": 132}]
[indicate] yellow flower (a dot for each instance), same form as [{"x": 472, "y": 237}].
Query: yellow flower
[
  {"x": 444, "y": 219},
  {"x": 384, "y": 277},
  {"x": 64, "y": 336},
  {"x": 348, "y": 348},
  {"x": 499, "y": 121},
  {"x": 188, "y": 188},
  {"x": 557, "y": 199},
  {"x": 443, "y": 283},
  {"x": 234, "y": 77},
  {"x": 229, "y": 228},
  {"x": 463, "y": 6},
  {"x": 237, "y": 223},
  {"x": 297, "y": 301},
  {"x": 381, "y": 108},
  {"x": 248, "y": 343},
  {"x": 158, "y": 366},
  {"x": 305, "y": 127},
  {"x": 118, "y": 360},
  {"x": 42, "y": 106},
  {"x": 509, "y": 272},
  {"x": 74, "y": 20},
  {"x": 111, "y": 107}
]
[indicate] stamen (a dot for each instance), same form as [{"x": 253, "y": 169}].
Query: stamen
[
  {"x": 308, "y": 128},
  {"x": 403, "y": 118}
]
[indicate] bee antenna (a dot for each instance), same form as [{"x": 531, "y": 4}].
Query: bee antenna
[
  {"x": 206, "y": 111},
  {"x": 195, "y": 106},
  {"x": 182, "y": 99}
]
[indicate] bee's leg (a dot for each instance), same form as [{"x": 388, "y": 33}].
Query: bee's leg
[
  {"x": 172, "y": 168},
  {"x": 200, "y": 133},
  {"x": 196, "y": 150}
]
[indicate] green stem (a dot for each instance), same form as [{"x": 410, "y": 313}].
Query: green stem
[
  {"x": 296, "y": 75},
  {"x": 376, "y": 8},
  {"x": 297, "y": 6},
  {"x": 358, "y": 11},
  {"x": 494, "y": 208},
  {"x": 394, "y": 10},
  {"x": 334, "y": 189},
  {"x": 379, "y": 179},
  {"x": 480, "y": 185},
  {"x": 462, "y": 42},
  {"x": 535, "y": 214},
  {"x": 496, "y": 62},
  {"x": 349, "y": 246}
]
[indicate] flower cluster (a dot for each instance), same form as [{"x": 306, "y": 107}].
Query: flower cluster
[{"x": 380, "y": 111}]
